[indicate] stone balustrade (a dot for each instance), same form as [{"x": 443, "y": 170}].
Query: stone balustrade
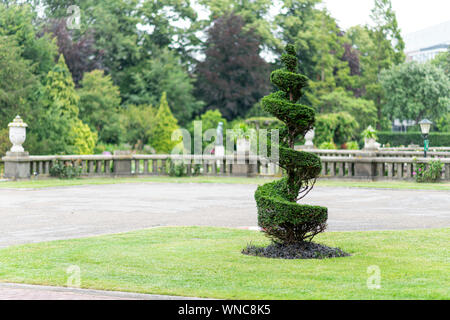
[
  {"x": 380, "y": 153},
  {"x": 368, "y": 166},
  {"x": 142, "y": 165},
  {"x": 376, "y": 168}
]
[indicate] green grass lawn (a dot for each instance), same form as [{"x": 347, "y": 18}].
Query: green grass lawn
[
  {"x": 46, "y": 183},
  {"x": 206, "y": 262}
]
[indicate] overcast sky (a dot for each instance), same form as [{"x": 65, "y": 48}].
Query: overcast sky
[{"x": 412, "y": 15}]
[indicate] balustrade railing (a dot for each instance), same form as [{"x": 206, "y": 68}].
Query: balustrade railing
[
  {"x": 113, "y": 165},
  {"x": 379, "y": 168},
  {"x": 335, "y": 164},
  {"x": 379, "y": 153}
]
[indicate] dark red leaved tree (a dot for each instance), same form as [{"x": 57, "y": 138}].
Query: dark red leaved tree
[{"x": 233, "y": 76}]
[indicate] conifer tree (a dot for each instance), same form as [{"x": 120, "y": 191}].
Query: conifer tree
[
  {"x": 60, "y": 130},
  {"x": 166, "y": 124}
]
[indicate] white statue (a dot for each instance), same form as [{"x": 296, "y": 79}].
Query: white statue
[{"x": 309, "y": 137}]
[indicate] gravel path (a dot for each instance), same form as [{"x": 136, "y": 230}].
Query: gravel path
[{"x": 70, "y": 212}]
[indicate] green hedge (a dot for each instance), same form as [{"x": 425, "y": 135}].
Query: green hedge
[{"x": 396, "y": 139}]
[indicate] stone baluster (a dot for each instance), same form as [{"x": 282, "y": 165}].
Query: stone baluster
[
  {"x": 145, "y": 166},
  {"x": 399, "y": 170}
]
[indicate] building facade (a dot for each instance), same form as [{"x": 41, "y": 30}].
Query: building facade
[{"x": 424, "y": 45}]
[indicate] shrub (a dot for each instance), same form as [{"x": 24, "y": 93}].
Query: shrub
[
  {"x": 428, "y": 172},
  {"x": 396, "y": 139},
  {"x": 138, "y": 121},
  {"x": 337, "y": 127},
  {"x": 179, "y": 169},
  {"x": 351, "y": 145},
  {"x": 369, "y": 133},
  {"x": 279, "y": 214},
  {"x": 328, "y": 146},
  {"x": 82, "y": 138},
  {"x": 65, "y": 170}
]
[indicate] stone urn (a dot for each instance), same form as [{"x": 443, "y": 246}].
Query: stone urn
[
  {"x": 371, "y": 144},
  {"x": 309, "y": 137},
  {"x": 17, "y": 134}
]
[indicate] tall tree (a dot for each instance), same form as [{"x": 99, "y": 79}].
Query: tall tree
[
  {"x": 364, "y": 111},
  {"x": 99, "y": 106},
  {"x": 18, "y": 21},
  {"x": 442, "y": 61},
  {"x": 81, "y": 55},
  {"x": 163, "y": 18},
  {"x": 139, "y": 123},
  {"x": 415, "y": 91},
  {"x": 255, "y": 14},
  {"x": 381, "y": 46},
  {"x": 115, "y": 24},
  {"x": 129, "y": 30},
  {"x": 320, "y": 44},
  {"x": 59, "y": 129},
  {"x": 163, "y": 72},
  {"x": 17, "y": 82},
  {"x": 231, "y": 78}
]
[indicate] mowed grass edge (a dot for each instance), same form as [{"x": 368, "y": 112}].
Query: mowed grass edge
[
  {"x": 50, "y": 183},
  {"x": 207, "y": 262}
]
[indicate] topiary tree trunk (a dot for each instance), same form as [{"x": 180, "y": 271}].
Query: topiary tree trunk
[{"x": 279, "y": 214}]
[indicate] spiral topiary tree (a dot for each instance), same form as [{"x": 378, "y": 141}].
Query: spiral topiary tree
[{"x": 279, "y": 214}]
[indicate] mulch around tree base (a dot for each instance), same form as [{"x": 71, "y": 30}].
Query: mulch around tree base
[{"x": 302, "y": 250}]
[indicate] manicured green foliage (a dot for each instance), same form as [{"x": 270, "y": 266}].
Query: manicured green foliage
[
  {"x": 396, "y": 139},
  {"x": 430, "y": 172},
  {"x": 279, "y": 214},
  {"x": 166, "y": 124}
]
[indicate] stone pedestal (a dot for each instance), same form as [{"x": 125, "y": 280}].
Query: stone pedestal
[
  {"x": 365, "y": 169},
  {"x": 122, "y": 163},
  {"x": 17, "y": 165},
  {"x": 243, "y": 167}
]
